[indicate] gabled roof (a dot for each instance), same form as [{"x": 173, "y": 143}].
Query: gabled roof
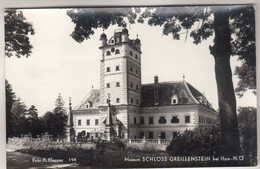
[
  {"x": 93, "y": 98},
  {"x": 185, "y": 93}
]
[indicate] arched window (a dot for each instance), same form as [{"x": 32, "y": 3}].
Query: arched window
[
  {"x": 108, "y": 53},
  {"x": 117, "y": 51}
]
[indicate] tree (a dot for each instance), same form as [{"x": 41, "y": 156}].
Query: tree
[
  {"x": 17, "y": 31},
  {"x": 33, "y": 122},
  {"x": 32, "y": 112},
  {"x": 88, "y": 19},
  {"x": 59, "y": 106},
  {"x": 10, "y": 99},
  {"x": 247, "y": 124},
  {"x": 18, "y": 119},
  {"x": 206, "y": 141},
  {"x": 221, "y": 21},
  {"x": 56, "y": 120}
]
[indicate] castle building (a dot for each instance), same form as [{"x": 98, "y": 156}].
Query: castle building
[{"x": 124, "y": 107}]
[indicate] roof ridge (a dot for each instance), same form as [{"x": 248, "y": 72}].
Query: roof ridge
[{"x": 169, "y": 82}]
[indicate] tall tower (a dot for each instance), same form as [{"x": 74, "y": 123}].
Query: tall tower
[{"x": 120, "y": 69}]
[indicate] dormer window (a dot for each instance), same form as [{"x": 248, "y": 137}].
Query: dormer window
[
  {"x": 174, "y": 99},
  {"x": 108, "y": 53},
  {"x": 88, "y": 105}
]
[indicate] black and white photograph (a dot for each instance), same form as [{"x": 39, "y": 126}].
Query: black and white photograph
[{"x": 131, "y": 86}]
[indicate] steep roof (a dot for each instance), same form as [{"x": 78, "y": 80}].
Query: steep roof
[
  {"x": 93, "y": 98},
  {"x": 185, "y": 93}
]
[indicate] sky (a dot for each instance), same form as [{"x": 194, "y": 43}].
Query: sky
[{"x": 59, "y": 64}]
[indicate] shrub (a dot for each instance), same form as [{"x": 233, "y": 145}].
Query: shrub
[
  {"x": 116, "y": 144},
  {"x": 43, "y": 143},
  {"x": 200, "y": 141},
  {"x": 146, "y": 146}
]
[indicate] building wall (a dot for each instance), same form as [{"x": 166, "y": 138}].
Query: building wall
[
  {"x": 179, "y": 111},
  {"x": 84, "y": 116}
]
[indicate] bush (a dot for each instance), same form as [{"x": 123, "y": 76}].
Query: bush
[
  {"x": 200, "y": 141},
  {"x": 146, "y": 146},
  {"x": 116, "y": 144},
  {"x": 43, "y": 143}
]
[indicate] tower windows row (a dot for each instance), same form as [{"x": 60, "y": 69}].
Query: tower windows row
[
  {"x": 136, "y": 101},
  {"x": 131, "y": 54},
  {"x": 117, "y": 51},
  {"x": 132, "y": 70},
  {"x": 116, "y": 69},
  {"x": 117, "y": 85},
  {"x": 136, "y": 86}
]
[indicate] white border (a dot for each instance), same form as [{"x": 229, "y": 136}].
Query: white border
[{"x": 80, "y": 3}]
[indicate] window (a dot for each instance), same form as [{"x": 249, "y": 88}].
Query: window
[
  {"x": 131, "y": 53},
  {"x": 118, "y": 100},
  {"x": 88, "y": 122},
  {"x": 134, "y": 120},
  {"x": 137, "y": 101},
  {"x": 112, "y": 41},
  {"x": 187, "y": 119},
  {"x": 162, "y": 120},
  {"x": 96, "y": 135},
  {"x": 108, "y": 85},
  {"x": 141, "y": 134},
  {"x": 108, "y": 53},
  {"x": 132, "y": 100},
  {"x": 96, "y": 122},
  {"x": 150, "y": 120},
  {"x": 117, "y": 51},
  {"x": 136, "y": 71},
  {"x": 163, "y": 136},
  {"x": 132, "y": 85},
  {"x": 108, "y": 69},
  {"x": 136, "y": 87},
  {"x": 79, "y": 122},
  {"x": 117, "y": 84},
  {"x": 117, "y": 68},
  {"x": 174, "y": 119},
  {"x": 131, "y": 69},
  {"x": 141, "y": 120},
  {"x": 174, "y": 99},
  {"x": 150, "y": 135},
  {"x": 136, "y": 57},
  {"x": 112, "y": 50}
]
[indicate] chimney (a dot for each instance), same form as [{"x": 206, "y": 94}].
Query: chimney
[{"x": 156, "y": 90}]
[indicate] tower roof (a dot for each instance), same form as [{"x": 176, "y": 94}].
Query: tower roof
[{"x": 103, "y": 36}]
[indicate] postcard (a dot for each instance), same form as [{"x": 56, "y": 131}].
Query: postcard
[{"x": 131, "y": 87}]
